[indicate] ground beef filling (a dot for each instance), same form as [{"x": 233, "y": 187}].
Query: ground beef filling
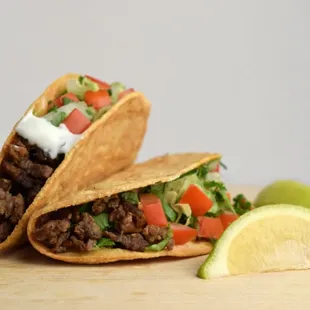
[
  {"x": 23, "y": 172},
  {"x": 73, "y": 230}
]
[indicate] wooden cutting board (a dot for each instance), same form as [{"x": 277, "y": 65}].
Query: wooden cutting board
[{"x": 30, "y": 281}]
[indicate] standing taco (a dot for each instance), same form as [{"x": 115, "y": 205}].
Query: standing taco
[
  {"x": 167, "y": 206},
  {"x": 79, "y": 131}
]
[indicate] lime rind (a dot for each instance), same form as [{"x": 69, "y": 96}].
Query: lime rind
[{"x": 215, "y": 264}]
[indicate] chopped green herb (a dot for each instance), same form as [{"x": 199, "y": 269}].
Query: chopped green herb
[
  {"x": 105, "y": 242},
  {"x": 226, "y": 202},
  {"x": 66, "y": 100},
  {"x": 89, "y": 111},
  {"x": 216, "y": 214},
  {"x": 110, "y": 92},
  {"x": 102, "y": 220},
  {"x": 162, "y": 244},
  {"x": 213, "y": 185},
  {"x": 53, "y": 109},
  {"x": 131, "y": 197},
  {"x": 81, "y": 79},
  {"x": 59, "y": 118},
  {"x": 202, "y": 171},
  {"x": 157, "y": 189},
  {"x": 241, "y": 204},
  {"x": 220, "y": 192}
]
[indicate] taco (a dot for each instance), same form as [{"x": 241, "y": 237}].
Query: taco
[
  {"x": 171, "y": 205},
  {"x": 79, "y": 131}
]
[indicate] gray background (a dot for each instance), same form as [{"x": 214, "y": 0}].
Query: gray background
[{"x": 223, "y": 76}]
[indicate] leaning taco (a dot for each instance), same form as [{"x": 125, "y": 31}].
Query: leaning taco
[
  {"x": 79, "y": 131},
  {"x": 171, "y": 205}
]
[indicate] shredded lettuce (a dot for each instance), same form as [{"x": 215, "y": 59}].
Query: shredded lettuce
[
  {"x": 181, "y": 184},
  {"x": 57, "y": 115},
  {"x": 105, "y": 242},
  {"x": 159, "y": 190},
  {"x": 171, "y": 197},
  {"x": 171, "y": 192},
  {"x": 131, "y": 197},
  {"x": 80, "y": 86},
  {"x": 101, "y": 112},
  {"x": 170, "y": 213},
  {"x": 183, "y": 209},
  {"x": 67, "y": 100},
  {"x": 216, "y": 209},
  {"x": 116, "y": 89},
  {"x": 58, "y": 118},
  {"x": 102, "y": 220},
  {"x": 90, "y": 113},
  {"x": 202, "y": 171},
  {"x": 220, "y": 192},
  {"x": 162, "y": 244}
]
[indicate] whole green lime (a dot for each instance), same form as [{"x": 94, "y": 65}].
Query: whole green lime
[{"x": 284, "y": 192}]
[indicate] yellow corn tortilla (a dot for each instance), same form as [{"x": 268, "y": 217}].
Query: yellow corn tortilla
[
  {"x": 159, "y": 169},
  {"x": 109, "y": 145}
]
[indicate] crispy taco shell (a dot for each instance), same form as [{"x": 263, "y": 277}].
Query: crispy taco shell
[
  {"x": 109, "y": 145},
  {"x": 160, "y": 169}
]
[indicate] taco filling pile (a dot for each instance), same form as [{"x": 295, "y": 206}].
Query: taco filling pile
[
  {"x": 196, "y": 206},
  {"x": 42, "y": 139}
]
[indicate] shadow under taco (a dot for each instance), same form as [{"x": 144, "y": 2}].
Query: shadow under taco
[
  {"x": 79, "y": 131},
  {"x": 170, "y": 205}
]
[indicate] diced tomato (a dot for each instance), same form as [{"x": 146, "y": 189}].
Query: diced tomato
[
  {"x": 210, "y": 227},
  {"x": 97, "y": 99},
  {"x": 59, "y": 102},
  {"x": 77, "y": 122},
  {"x": 183, "y": 234},
  {"x": 199, "y": 202},
  {"x": 227, "y": 218},
  {"x": 149, "y": 198},
  {"x": 101, "y": 84},
  {"x": 153, "y": 210},
  {"x": 125, "y": 92}
]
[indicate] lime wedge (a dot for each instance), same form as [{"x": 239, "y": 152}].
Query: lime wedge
[{"x": 269, "y": 238}]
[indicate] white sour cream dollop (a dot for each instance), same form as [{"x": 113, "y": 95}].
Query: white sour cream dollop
[{"x": 52, "y": 140}]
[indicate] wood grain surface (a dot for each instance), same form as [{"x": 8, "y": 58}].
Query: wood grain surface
[{"x": 29, "y": 281}]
